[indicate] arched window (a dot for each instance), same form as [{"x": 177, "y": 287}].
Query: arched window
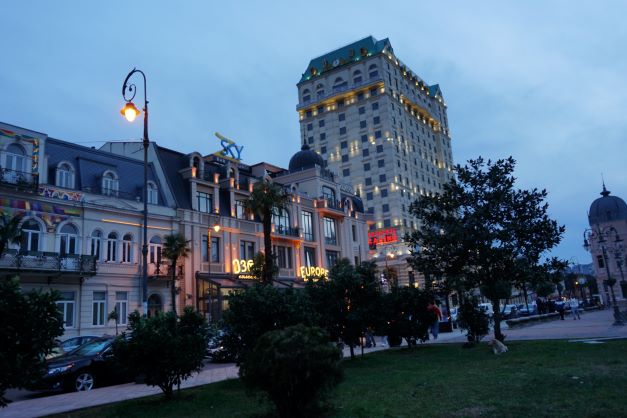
[
  {"x": 154, "y": 305},
  {"x": 357, "y": 77},
  {"x": 281, "y": 220},
  {"x": 328, "y": 193},
  {"x": 65, "y": 176},
  {"x": 306, "y": 95},
  {"x": 112, "y": 247},
  {"x": 153, "y": 193},
  {"x": 15, "y": 163},
  {"x": 154, "y": 250},
  {"x": 373, "y": 72},
  {"x": 319, "y": 91},
  {"x": 340, "y": 84},
  {"x": 95, "y": 244},
  {"x": 31, "y": 236},
  {"x": 127, "y": 248},
  {"x": 110, "y": 184},
  {"x": 68, "y": 240}
]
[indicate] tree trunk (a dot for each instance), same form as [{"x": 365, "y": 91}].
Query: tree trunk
[
  {"x": 173, "y": 286},
  {"x": 497, "y": 320},
  {"x": 267, "y": 248},
  {"x": 352, "y": 351}
]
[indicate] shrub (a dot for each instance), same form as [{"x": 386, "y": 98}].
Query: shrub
[
  {"x": 165, "y": 349},
  {"x": 473, "y": 320},
  {"x": 296, "y": 367},
  {"x": 30, "y": 323}
]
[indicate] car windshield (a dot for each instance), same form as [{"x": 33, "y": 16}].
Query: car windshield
[{"x": 93, "y": 347}]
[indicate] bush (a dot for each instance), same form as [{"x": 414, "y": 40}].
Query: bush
[
  {"x": 165, "y": 349},
  {"x": 296, "y": 367},
  {"x": 405, "y": 309},
  {"x": 30, "y": 323},
  {"x": 473, "y": 320}
]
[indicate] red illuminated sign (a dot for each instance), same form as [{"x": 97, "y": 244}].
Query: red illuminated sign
[{"x": 382, "y": 236}]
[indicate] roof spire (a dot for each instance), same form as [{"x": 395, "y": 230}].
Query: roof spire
[{"x": 605, "y": 192}]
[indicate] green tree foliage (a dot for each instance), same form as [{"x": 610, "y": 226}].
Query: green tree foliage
[
  {"x": 295, "y": 367},
  {"x": 266, "y": 198},
  {"x": 164, "y": 348},
  {"x": 259, "y": 309},
  {"x": 347, "y": 303},
  {"x": 259, "y": 266},
  {"x": 473, "y": 320},
  {"x": 174, "y": 247},
  {"x": 10, "y": 231},
  {"x": 30, "y": 324},
  {"x": 406, "y": 314},
  {"x": 479, "y": 226}
]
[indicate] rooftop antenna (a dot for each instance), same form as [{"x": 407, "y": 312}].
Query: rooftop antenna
[{"x": 605, "y": 192}]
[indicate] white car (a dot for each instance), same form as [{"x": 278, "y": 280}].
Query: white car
[{"x": 487, "y": 309}]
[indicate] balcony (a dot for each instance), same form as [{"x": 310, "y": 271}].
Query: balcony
[
  {"x": 330, "y": 207},
  {"x": 47, "y": 262},
  {"x": 19, "y": 180},
  {"x": 286, "y": 231}
]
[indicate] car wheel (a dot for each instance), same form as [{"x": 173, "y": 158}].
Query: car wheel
[{"x": 84, "y": 381}]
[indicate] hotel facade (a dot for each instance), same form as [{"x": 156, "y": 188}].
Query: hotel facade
[{"x": 382, "y": 128}]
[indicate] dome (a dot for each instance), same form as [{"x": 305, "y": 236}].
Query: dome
[
  {"x": 305, "y": 158},
  {"x": 607, "y": 208}
]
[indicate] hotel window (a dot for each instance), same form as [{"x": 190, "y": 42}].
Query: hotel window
[
  {"x": 340, "y": 103},
  {"x": 323, "y": 150},
  {"x": 366, "y": 166},
  {"x": 328, "y": 193},
  {"x": 376, "y": 120},
  {"x": 121, "y": 307},
  {"x": 306, "y": 95},
  {"x": 321, "y": 123},
  {"x": 308, "y": 114},
  {"x": 364, "y": 138},
  {"x": 96, "y": 242},
  {"x": 375, "y": 106},
  {"x": 357, "y": 77},
  {"x": 323, "y": 136},
  {"x": 346, "y": 172},
  {"x": 15, "y": 158},
  {"x": 320, "y": 110},
  {"x": 240, "y": 209},
  {"x": 384, "y": 192},
  {"x": 246, "y": 250},
  {"x": 283, "y": 256},
  {"x": 369, "y": 196},
  {"x": 365, "y": 152},
  {"x": 368, "y": 181},
  {"x": 68, "y": 240},
  {"x": 215, "y": 249},
  {"x": 387, "y": 223},
  {"x": 354, "y": 229},
  {"x": 600, "y": 261},
  {"x": 110, "y": 184},
  {"x": 66, "y": 306},
  {"x": 362, "y": 110},
  {"x": 379, "y": 148},
  {"x": 345, "y": 158},
  {"x": 127, "y": 248},
  {"x": 385, "y": 208},
  {"x": 307, "y": 225},
  {"x": 362, "y": 124},
  {"x": 112, "y": 247},
  {"x": 381, "y": 163},
  {"x": 343, "y": 130},
  {"x": 98, "y": 308},
  {"x": 281, "y": 220},
  {"x": 360, "y": 96},
  {"x": 339, "y": 84},
  {"x": 373, "y": 92},
  {"x": 373, "y": 71},
  {"x": 65, "y": 176},
  {"x": 329, "y": 231},
  {"x": 319, "y": 91},
  {"x": 153, "y": 194},
  {"x": 205, "y": 202},
  {"x": 310, "y": 126},
  {"x": 382, "y": 178},
  {"x": 341, "y": 117},
  {"x": 310, "y": 257},
  {"x": 310, "y": 140},
  {"x": 332, "y": 257},
  {"x": 377, "y": 134},
  {"x": 154, "y": 250}
]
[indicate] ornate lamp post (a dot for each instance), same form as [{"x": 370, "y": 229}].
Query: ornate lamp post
[
  {"x": 130, "y": 112},
  {"x": 599, "y": 236}
]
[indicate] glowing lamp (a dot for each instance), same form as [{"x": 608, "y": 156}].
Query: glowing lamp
[
  {"x": 130, "y": 112},
  {"x": 216, "y": 227}
]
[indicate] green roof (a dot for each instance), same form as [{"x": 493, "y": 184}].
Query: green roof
[
  {"x": 363, "y": 48},
  {"x": 435, "y": 91}
]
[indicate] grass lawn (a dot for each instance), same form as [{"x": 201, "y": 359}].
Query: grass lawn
[{"x": 534, "y": 379}]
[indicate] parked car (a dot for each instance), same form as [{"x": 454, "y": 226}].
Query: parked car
[
  {"x": 73, "y": 343},
  {"x": 216, "y": 351},
  {"x": 523, "y": 310},
  {"x": 509, "y": 311},
  {"x": 487, "y": 309},
  {"x": 90, "y": 365}
]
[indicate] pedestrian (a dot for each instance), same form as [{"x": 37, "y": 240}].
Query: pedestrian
[
  {"x": 370, "y": 342},
  {"x": 574, "y": 307},
  {"x": 435, "y": 325},
  {"x": 559, "y": 306}
]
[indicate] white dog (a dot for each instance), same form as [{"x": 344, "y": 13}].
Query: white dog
[{"x": 497, "y": 346}]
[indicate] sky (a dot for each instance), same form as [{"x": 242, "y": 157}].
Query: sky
[{"x": 542, "y": 81}]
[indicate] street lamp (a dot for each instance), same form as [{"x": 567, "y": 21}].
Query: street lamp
[
  {"x": 130, "y": 112},
  {"x": 216, "y": 228},
  {"x": 598, "y": 235}
]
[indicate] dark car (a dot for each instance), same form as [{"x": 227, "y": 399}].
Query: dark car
[
  {"x": 92, "y": 364},
  {"x": 73, "y": 343}
]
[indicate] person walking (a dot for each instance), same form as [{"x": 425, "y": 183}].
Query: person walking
[
  {"x": 559, "y": 306},
  {"x": 574, "y": 307},
  {"x": 435, "y": 325}
]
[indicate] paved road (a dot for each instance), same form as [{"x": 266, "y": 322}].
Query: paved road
[{"x": 596, "y": 324}]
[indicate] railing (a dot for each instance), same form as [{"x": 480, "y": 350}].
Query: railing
[
  {"x": 19, "y": 179},
  {"x": 330, "y": 240},
  {"x": 48, "y": 262},
  {"x": 339, "y": 90},
  {"x": 288, "y": 231},
  {"x": 136, "y": 196}
]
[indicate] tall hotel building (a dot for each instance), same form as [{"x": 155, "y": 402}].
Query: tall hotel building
[{"x": 384, "y": 130}]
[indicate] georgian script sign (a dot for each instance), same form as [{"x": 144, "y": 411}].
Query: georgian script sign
[
  {"x": 230, "y": 151},
  {"x": 382, "y": 236}
]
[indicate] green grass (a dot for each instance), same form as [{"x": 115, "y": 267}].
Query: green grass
[{"x": 534, "y": 379}]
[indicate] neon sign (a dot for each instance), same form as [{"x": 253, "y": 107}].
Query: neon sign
[
  {"x": 230, "y": 151},
  {"x": 242, "y": 266},
  {"x": 382, "y": 236},
  {"x": 313, "y": 273}
]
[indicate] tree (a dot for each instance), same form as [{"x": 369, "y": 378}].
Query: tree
[
  {"x": 258, "y": 309},
  {"x": 347, "y": 303},
  {"x": 164, "y": 348},
  {"x": 114, "y": 316},
  {"x": 267, "y": 198},
  {"x": 30, "y": 324},
  {"x": 474, "y": 320},
  {"x": 10, "y": 231},
  {"x": 479, "y": 226},
  {"x": 295, "y": 367},
  {"x": 174, "y": 247},
  {"x": 406, "y": 314}
]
